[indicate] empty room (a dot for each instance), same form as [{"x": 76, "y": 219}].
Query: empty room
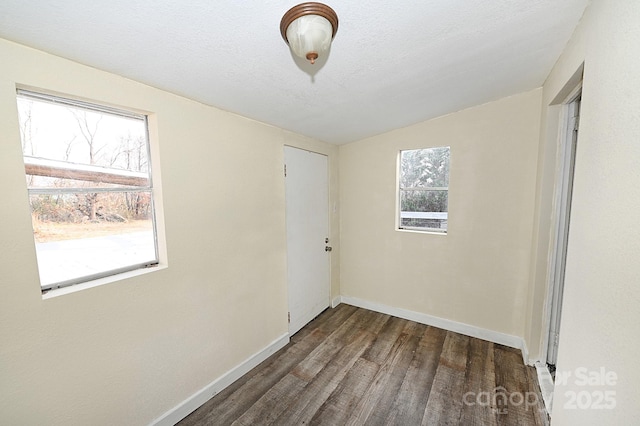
[{"x": 286, "y": 213}]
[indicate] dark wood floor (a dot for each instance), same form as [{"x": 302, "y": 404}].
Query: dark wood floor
[{"x": 354, "y": 366}]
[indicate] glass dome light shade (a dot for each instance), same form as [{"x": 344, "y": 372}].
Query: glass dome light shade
[{"x": 310, "y": 36}]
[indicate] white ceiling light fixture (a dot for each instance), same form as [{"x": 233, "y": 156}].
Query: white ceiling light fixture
[{"x": 308, "y": 29}]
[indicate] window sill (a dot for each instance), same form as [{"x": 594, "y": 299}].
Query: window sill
[
  {"x": 101, "y": 281},
  {"x": 418, "y": 231}
]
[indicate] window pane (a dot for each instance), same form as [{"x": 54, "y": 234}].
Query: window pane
[
  {"x": 71, "y": 246},
  {"x": 424, "y": 168},
  {"x": 424, "y": 209},
  {"x": 81, "y": 136}
]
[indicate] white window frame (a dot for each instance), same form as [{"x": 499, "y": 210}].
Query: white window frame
[
  {"x": 418, "y": 215},
  {"x": 135, "y": 181}
]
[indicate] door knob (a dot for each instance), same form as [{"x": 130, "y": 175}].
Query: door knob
[{"x": 327, "y": 248}]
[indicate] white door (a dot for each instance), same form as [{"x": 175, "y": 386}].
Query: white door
[{"x": 307, "y": 209}]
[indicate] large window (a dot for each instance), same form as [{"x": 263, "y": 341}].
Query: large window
[
  {"x": 88, "y": 175},
  {"x": 424, "y": 189}
]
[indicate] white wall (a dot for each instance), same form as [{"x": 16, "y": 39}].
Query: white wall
[
  {"x": 477, "y": 274},
  {"x": 129, "y": 351},
  {"x": 600, "y": 318}
]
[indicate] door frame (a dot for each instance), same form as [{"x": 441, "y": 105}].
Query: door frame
[{"x": 565, "y": 163}]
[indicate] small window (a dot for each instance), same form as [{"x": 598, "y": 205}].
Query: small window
[
  {"x": 88, "y": 175},
  {"x": 424, "y": 189}
]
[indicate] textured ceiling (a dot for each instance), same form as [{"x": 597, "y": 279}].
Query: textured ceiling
[{"x": 392, "y": 64}]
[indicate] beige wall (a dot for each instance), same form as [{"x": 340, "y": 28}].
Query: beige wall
[
  {"x": 600, "y": 318},
  {"x": 128, "y": 351},
  {"x": 477, "y": 273}
]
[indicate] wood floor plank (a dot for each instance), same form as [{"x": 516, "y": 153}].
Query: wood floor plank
[
  {"x": 445, "y": 400},
  {"x": 396, "y": 374},
  {"x": 397, "y": 359},
  {"x": 272, "y": 403},
  {"x": 322, "y": 354},
  {"x": 311, "y": 398},
  {"x": 511, "y": 380},
  {"x": 478, "y": 398},
  {"x": 328, "y": 321},
  {"x": 411, "y": 400},
  {"x": 385, "y": 341},
  {"x": 361, "y": 334},
  {"x": 342, "y": 401}
]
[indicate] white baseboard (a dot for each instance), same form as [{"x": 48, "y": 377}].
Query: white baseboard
[
  {"x": 546, "y": 384},
  {"x": 189, "y": 405},
  {"x": 449, "y": 325},
  {"x": 525, "y": 354}
]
